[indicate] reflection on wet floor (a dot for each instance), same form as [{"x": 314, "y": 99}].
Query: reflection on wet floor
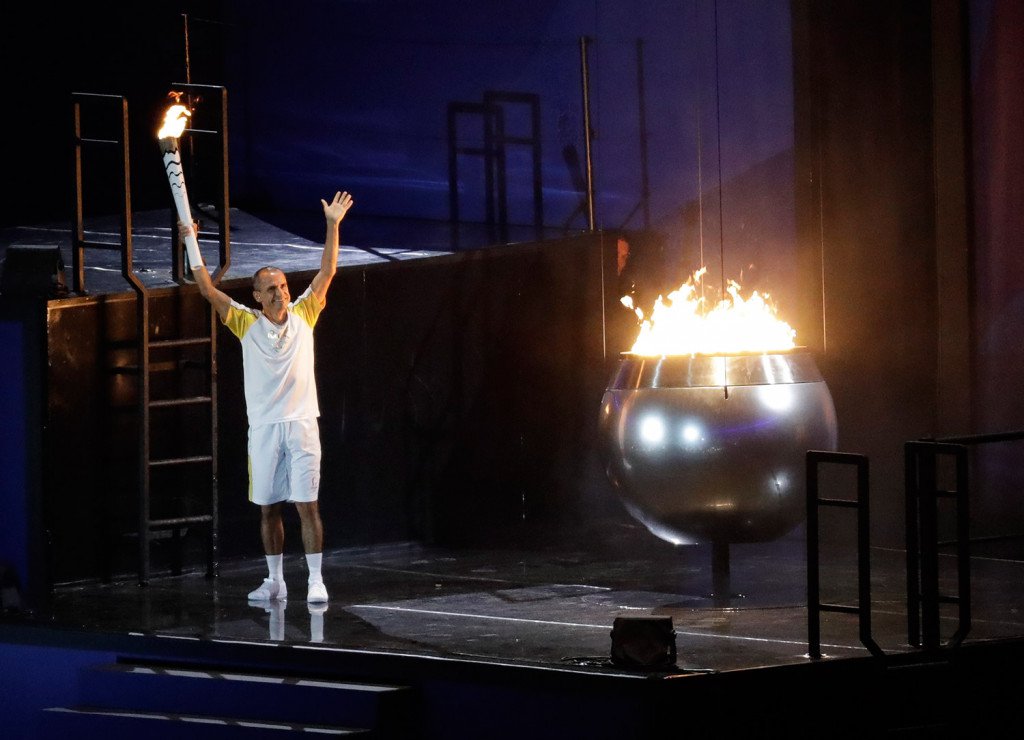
[{"x": 539, "y": 607}]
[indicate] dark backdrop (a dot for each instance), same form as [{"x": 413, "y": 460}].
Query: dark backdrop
[{"x": 360, "y": 89}]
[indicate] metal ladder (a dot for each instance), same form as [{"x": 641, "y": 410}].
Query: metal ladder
[{"x": 146, "y": 346}]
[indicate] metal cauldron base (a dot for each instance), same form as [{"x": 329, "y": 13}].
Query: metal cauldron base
[
  {"x": 711, "y": 448},
  {"x": 721, "y": 575}
]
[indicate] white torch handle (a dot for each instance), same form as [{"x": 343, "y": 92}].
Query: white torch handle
[
  {"x": 176, "y": 178},
  {"x": 195, "y": 258}
]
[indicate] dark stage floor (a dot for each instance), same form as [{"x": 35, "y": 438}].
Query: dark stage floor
[{"x": 542, "y": 607}]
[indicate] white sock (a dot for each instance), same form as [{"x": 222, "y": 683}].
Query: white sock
[
  {"x": 313, "y": 560},
  {"x": 275, "y": 567}
]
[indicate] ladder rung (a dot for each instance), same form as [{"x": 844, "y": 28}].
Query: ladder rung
[
  {"x": 108, "y": 246},
  {"x": 177, "y": 521},
  {"x": 181, "y": 460},
  {"x": 188, "y": 401},
  {"x": 516, "y": 139},
  {"x": 841, "y": 608},
  {"x": 154, "y": 367},
  {"x": 840, "y": 502},
  {"x": 179, "y": 342}
]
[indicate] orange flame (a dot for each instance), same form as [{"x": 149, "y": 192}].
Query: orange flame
[
  {"x": 174, "y": 122},
  {"x": 679, "y": 325}
]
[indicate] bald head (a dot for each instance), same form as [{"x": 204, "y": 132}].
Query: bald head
[{"x": 260, "y": 273}]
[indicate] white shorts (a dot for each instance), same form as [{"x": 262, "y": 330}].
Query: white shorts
[{"x": 284, "y": 462}]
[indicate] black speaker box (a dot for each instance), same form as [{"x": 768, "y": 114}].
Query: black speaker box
[
  {"x": 644, "y": 643},
  {"x": 35, "y": 271}
]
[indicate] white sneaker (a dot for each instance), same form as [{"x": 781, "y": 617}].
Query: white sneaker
[
  {"x": 271, "y": 590},
  {"x": 317, "y": 593}
]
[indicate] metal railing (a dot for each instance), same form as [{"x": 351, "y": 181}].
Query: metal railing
[
  {"x": 493, "y": 151},
  {"x": 78, "y": 241},
  {"x": 815, "y": 458},
  {"x": 923, "y": 494}
]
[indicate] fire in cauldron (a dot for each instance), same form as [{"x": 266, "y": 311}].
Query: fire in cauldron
[{"x": 706, "y": 421}]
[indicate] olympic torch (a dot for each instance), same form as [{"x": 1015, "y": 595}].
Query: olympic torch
[{"x": 174, "y": 124}]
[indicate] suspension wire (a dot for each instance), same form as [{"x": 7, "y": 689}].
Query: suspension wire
[
  {"x": 700, "y": 177},
  {"x": 700, "y": 198},
  {"x": 721, "y": 184},
  {"x": 819, "y": 127},
  {"x": 821, "y": 242},
  {"x": 188, "y": 60},
  {"x": 190, "y": 102},
  {"x": 721, "y": 188}
]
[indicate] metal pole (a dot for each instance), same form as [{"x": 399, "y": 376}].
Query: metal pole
[
  {"x": 585, "y": 74},
  {"x": 224, "y": 241},
  {"x": 721, "y": 579},
  {"x": 453, "y": 179},
  {"x": 142, "y": 341},
  {"x": 963, "y": 545},
  {"x": 864, "y": 556},
  {"x": 79, "y": 230},
  {"x": 928, "y": 519},
  {"x": 498, "y": 144},
  {"x": 645, "y": 185},
  {"x": 489, "y": 167},
  {"x": 127, "y": 257},
  {"x": 538, "y": 189},
  {"x": 912, "y": 543},
  {"x": 813, "y": 562}
]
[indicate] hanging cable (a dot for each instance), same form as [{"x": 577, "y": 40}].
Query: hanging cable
[
  {"x": 700, "y": 200},
  {"x": 721, "y": 187},
  {"x": 188, "y": 59},
  {"x": 721, "y": 184},
  {"x": 700, "y": 177}
]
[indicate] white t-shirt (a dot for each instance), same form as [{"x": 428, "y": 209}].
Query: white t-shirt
[{"x": 277, "y": 361}]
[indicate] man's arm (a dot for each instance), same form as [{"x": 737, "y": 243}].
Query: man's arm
[
  {"x": 218, "y": 299},
  {"x": 334, "y": 213}
]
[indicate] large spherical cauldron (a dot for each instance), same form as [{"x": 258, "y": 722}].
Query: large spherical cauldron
[{"x": 710, "y": 448}]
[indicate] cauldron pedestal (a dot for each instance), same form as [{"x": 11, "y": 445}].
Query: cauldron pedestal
[{"x": 721, "y": 577}]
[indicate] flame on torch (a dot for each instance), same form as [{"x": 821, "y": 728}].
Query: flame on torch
[
  {"x": 682, "y": 324},
  {"x": 174, "y": 122},
  {"x": 174, "y": 125}
]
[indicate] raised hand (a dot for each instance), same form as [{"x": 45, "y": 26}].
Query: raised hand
[{"x": 335, "y": 211}]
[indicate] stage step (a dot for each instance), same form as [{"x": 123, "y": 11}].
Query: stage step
[
  {"x": 253, "y": 695},
  {"x": 96, "y": 722}
]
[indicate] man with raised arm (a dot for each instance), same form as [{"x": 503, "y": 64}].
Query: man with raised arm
[{"x": 280, "y": 399}]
